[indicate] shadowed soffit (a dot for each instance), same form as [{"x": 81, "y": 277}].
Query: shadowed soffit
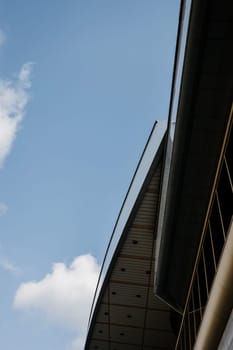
[{"x": 128, "y": 316}]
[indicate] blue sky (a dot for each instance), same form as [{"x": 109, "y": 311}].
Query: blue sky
[{"x": 81, "y": 84}]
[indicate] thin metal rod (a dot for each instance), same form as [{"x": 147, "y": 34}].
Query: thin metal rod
[
  {"x": 220, "y": 214},
  {"x": 199, "y": 293},
  {"x": 194, "y": 315},
  {"x": 228, "y": 173},
  {"x": 212, "y": 246},
  {"x": 205, "y": 272}
]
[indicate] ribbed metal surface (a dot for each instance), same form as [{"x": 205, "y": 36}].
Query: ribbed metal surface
[{"x": 130, "y": 316}]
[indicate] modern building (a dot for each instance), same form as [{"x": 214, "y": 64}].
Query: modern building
[{"x": 167, "y": 277}]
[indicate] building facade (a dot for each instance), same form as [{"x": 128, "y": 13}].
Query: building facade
[{"x": 167, "y": 277}]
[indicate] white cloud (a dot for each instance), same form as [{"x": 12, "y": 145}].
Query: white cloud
[
  {"x": 2, "y": 38},
  {"x": 64, "y": 295},
  {"x": 14, "y": 97},
  {"x": 3, "y": 209},
  {"x": 9, "y": 266}
]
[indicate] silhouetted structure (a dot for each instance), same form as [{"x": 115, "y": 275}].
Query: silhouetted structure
[{"x": 167, "y": 278}]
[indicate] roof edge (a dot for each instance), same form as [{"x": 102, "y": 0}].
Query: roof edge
[{"x": 148, "y": 159}]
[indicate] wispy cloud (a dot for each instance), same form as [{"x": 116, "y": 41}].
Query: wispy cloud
[
  {"x": 3, "y": 209},
  {"x": 14, "y": 96},
  {"x": 64, "y": 295},
  {"x": 2, "y": 38},
  {"x": 9, "y": 266}
]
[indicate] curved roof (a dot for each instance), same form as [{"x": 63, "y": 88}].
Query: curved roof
[{"x": 126, "y": 314}]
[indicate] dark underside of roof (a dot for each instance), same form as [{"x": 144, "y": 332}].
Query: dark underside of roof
[
  {"x": 127, "y": 314},
  {"x": 203, "y": 112}
]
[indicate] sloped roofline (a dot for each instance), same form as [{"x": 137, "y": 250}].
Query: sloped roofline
[
  {"x": 157, "y": 141},
  {"x": 148, "y": 160}
]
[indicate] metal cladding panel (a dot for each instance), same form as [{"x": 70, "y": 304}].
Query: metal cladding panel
[
  {"x": 103, "y": 315},
  {"x": 138, "y": 298},
  {"x": 104, "y": 298},
  {"x": 127, "y": 316},
  {"x": 126, "y": 335},
  {"x": 126, "y": 294},
  {"x": 118, "y": 346},
  {"x": 139, "y": 246},
  {"x": 131, "y": 270},
  {"x": 96, "y": 344},
  {"x": 100, "y": 331}
]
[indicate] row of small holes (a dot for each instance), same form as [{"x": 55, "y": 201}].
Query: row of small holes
[
  {"x": 101, "y": 332},
  {"x": 124, "y": 269}
]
